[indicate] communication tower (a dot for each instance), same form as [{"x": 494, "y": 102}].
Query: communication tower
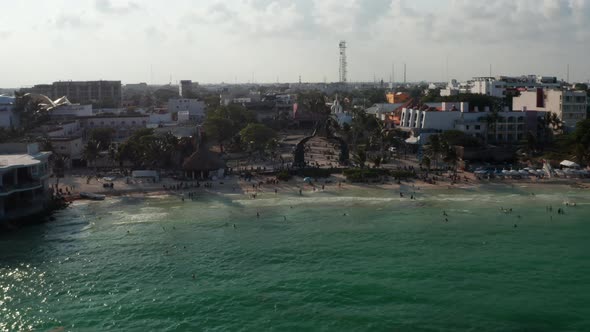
[{"x": 343, "y": 62}]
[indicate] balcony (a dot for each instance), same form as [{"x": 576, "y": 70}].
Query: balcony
[{"x": 10, "y": 189}]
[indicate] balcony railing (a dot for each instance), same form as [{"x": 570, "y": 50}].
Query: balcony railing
[{"x": 8, "y": 189}]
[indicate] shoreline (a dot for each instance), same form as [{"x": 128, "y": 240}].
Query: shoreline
[{"x": 259, "y": 188}]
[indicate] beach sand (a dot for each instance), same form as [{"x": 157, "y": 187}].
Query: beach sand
[{"x": 233, "y": 185}]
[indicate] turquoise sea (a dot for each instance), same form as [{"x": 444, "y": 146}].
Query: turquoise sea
[{"x": 341, "y": 261}]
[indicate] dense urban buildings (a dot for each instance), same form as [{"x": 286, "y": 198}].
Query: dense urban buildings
[{"x": 100, "y": 93}]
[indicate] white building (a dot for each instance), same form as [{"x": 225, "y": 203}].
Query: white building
[
  {"x": 8, "y": 118},
  {"x": 123, "y": 125},
  {"x": 70, "y": 147},
  {"x": 24, "y": 174},
  {"x": 510, "y": 127},
  {"x": 73, "y": 110},
  {"x": 498, "y": 86},
  {"x": 195, "y": 107},
  {"x": 570, "y": 106}
]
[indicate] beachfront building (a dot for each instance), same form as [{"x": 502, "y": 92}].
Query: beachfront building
[
  {"x": 8, "y": 117},
  {"x": 70, "y": 147},
  {"x": 505, "y": 127},
  {"x": 24, "y": 174},
  {"x": 569, "y": 105}
]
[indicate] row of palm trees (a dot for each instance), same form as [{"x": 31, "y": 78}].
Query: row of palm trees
[
  {"x": 142, "y": 149},
  {"x": 438, "y": 150}
]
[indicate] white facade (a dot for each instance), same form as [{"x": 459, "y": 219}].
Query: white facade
[
  {"x": 510, "y": 127},
  {"x": 160, "y": 118},
  {"x": 8, "y": 118},
  {"x": 71, "y": 147},
  {"x": 24, "y": 173},
  {"x": 124, "y": 126},
  {"x": 195, "y": 107},
  {"x": 497, "y": 86},
  {"x": 570, "y": 106},
  {"x": 73, "y": 110}
]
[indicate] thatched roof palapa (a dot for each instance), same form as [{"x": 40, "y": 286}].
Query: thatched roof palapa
[{"x": 203, "y": 160}]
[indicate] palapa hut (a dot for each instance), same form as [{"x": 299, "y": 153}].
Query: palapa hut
[{"x": 203, "y": 164}]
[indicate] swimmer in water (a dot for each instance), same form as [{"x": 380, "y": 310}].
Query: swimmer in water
[
  {"x": 445, "y": 213},
  {"x": 234, "y": 225},
  {"x": 284, "y": 218},
  {"x": 257, "y": 215},
  {"x": 446, "y": 219},
  {"x": 193, "y": 276}
]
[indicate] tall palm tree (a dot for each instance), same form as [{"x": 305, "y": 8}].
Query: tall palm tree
[
  {"x": 434, "y": 149},
  {"x": 91, "y": 151},
  {"x": 360, "y": 158}
]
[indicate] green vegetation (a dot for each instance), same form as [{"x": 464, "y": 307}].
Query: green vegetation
[
  {"x": 257, "y": 136},
  {"x": 103, "y": 136}
]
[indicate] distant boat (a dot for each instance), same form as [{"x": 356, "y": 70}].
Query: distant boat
[{"x": 92, "y": 196}]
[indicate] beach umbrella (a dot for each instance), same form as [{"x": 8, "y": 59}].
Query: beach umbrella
[{"x": 308, "y": 180}]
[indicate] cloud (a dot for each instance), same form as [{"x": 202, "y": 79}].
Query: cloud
[
  {"x": 107, "y": 7},
  {"x": 478, "y": 22},
  {"x": 4, "y": 34},
  {"x": 250, "y": 17},
  {"x": 337, "y": 15},
  {"x": 76, "y": 22}
]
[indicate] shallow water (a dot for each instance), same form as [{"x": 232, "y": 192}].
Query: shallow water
[{"x": 342, "y": 261}]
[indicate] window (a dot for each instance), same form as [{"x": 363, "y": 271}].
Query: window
[
  {"x": 467, "y": 127},
  {"x": 477, "y": 127}
]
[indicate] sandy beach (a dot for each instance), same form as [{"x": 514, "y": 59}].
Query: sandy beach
[{"x": 262, "y": 186}]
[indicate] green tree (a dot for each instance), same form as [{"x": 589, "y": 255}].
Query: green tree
[
  {"x": 91, "y": 151},
  {"x": 220, "y": 129},
  {"x": 104, "y": 136},
  {"x": 257, "y": 136},
  {"x": 434, "y": 149},
  {"x": 580, "y": 140}
]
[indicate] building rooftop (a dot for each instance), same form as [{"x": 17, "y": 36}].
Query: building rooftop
[{"x": 8, "y": 161}]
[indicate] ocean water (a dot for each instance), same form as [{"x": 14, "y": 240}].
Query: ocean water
[{"x": 341, "y": 261}]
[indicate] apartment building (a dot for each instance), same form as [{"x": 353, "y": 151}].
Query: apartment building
[{"x": 569, "y": 105}]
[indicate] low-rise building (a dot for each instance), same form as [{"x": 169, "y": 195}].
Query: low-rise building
[
  {"x": 70, "y": 147},
  {"x": 569, "y": 105},
  {"x": 195, "y": 107},
  {"x": 500, "y": 86},
  {"x": 123, "y": 125},
  {"x": 70, "y": 111},
  {"x": 505, "y": 127},
  {"x": 24, "y": 187},
  {"x": 8, "y": 117}
]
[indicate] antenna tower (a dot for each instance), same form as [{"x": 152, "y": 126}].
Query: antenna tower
[{"x": 343, "y": 62}]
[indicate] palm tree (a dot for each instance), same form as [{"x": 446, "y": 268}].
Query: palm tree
[
  {"x": 360, "y": 159},
  {"x": 553, "y": 120},
  {"x": 91, "y": 151},
  {"x": 450, "y": 156},
  {"x": 434, "y": 149}
]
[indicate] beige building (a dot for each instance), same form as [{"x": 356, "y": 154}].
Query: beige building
[
  {"x": 104, "y": 93},
  {"x": 570, "y": 106},
  {"x": 70, "y": 147}
]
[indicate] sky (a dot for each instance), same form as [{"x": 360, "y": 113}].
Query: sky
[{"x": 213, "y": 41}]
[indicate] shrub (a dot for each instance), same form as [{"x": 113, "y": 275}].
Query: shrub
[{"x": 284, "y": 175}]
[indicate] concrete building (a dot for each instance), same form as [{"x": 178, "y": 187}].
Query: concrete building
[
  {"x": 70, "y": 147},
  {"x": 8, "y": 118},
  {"x": 187, "y": 88},
  {"x": 195, "y": 107},
  {"x": 397, "y": 97},
  {"x": 68, "y": 111},
  {"x": 103, "y": 93},
  {"x": 499, "y": 86},
  {"x": 570, "y": 106},
  {"x": 123, "y": 125},
  {"x": 24, "y": 174},
  {"x": 509, "y": 128}
]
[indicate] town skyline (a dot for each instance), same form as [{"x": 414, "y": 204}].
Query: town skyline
[{"x": 270, "y": 41}]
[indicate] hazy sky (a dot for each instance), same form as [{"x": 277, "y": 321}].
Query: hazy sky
[{"x": 213, "y": 41}]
